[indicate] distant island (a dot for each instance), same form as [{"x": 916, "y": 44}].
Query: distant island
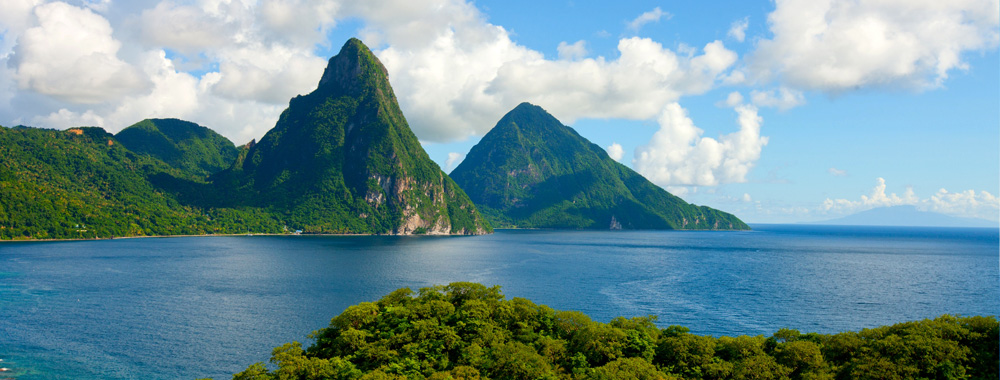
[
  {"x": 340, "y": 160},
  {"x": 470, "y": 331},
  {"x": 906, "y": 216}
]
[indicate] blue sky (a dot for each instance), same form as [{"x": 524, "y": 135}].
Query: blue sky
[{"x": 880, "y": 107}]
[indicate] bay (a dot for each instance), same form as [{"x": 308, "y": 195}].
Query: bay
[{"x": 188, "y": 307}]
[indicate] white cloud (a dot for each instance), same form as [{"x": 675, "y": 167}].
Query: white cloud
[
  {"x": 454, "y": 158},
  {"x": 458, "y": 87},
  {"x": 782, "y": 98},
  {"x": 637, "y": 85},
  {"x": 264, "y": 54},
  {"x": 454, "y": 73},
  {"x": 187, "y": 29},
  {"x": 615, "y": 151},
  {"x": 299, "y": 23},
  {"x": 174, "y": 94},
  {"x": 968, "y": 203},
  {"x": 67, "y": 117},
  {"x": 572, "y": 52},
  {"x": 647, "y": 17},
  {"x": 746, "y": 198},
  {"x": 679, "y": 155},
  {"x": 837, "y": 172},
  {"x": 732, "y": 100},
  {"x": 271, "y": 75},
  {"x": 71, "y": 56},
  {"x": 16, "y": 17},
  {"x": 68, "y": 53},
  {"x": 877, "y": 198},
  {"x": 836, "y": 46},
  {"x": 738, "y": 30}
]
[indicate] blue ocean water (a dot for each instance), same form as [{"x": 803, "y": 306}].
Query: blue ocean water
[{"x": 182, "y": 308}]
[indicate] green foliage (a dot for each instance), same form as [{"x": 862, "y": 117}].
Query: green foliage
[
  {"x": 469, "y": 331},
  {"x": 82, "y": 183},
  {"x": 195, "y": 150},
  {"x": 530, "y": 171}
]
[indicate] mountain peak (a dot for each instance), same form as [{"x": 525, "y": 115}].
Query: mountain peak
[
  {"x": 343, "y": 159},
  {"x": 351, "y": 63},
  {"x": 527, "y": 115},
  {"x": 528, "y": 109}
]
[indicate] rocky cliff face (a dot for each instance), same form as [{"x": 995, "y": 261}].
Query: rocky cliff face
[{"x": 343, "y": 159}]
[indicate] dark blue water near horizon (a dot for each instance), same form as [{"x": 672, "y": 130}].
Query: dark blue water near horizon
[{"x": 182, "y": 308}]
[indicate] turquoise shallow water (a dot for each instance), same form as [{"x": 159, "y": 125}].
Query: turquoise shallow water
[{"x": 181, "y": 308}]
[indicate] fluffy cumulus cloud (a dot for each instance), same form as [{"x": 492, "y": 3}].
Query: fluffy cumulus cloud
[
  {"x": 615, "y": 151},
  {"x": 81, "y": 65},
  {"x": 678, "y": 154},
  {"x": 464, "y": 81},
  {"x": 969, "y": 203},
  {"x": 185, "y": 28},
  {"x": 876, "y": 198},
  {"x": 71, "y": 55},
  {"x": 835, "y": 46},
  {"x": 233, "y": 65}
]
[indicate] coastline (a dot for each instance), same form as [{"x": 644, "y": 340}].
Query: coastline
[{"x": 345, "y": 234}]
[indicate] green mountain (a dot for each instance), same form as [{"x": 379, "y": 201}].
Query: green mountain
[
  {"x": 343, "y": 159},
  {"x": 340, "y": 160},
  {"x": 82, "y": 183},
  {"x": 195, "y": 150},
  {"x": 530, "y": 171}
]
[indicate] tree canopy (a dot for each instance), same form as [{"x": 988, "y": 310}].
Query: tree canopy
[{"x": 470, "y": 331}]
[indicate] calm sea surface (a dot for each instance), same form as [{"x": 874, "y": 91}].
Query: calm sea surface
[{"x": 181, "y": 308}]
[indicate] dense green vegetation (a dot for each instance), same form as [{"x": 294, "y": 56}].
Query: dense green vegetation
[
  {"x": 340, "y": 160},
  {"x": 343, "y": 159},
  {"x": 469, "y": 331},
  {"x": 531, "y": 171},
  {"x": 82, "y": 183},
  {"x": 194, "y": 150}
]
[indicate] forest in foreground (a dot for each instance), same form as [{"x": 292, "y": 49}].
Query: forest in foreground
[{"x": 470, "y": 331}]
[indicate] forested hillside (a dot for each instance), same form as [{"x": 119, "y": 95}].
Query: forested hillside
[
  {"x": 195, "y": 150},
  {"x": 82, "y": 183}
]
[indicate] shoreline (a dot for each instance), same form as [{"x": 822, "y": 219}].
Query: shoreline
[
  {"x": 334, "y": 234},
  {"x": 215, "y": 235}
]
